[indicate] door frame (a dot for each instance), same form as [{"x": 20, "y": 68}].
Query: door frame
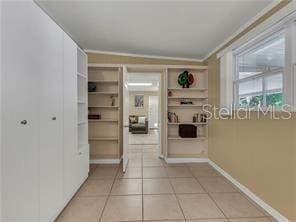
[{"x": 162, "y": 70}]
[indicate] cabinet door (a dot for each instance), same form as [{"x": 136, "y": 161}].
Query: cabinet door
[
  {"x": 22, "y": 63},
  {"x": 70, "y": 118},
  {"x": 51, "y": 123}
]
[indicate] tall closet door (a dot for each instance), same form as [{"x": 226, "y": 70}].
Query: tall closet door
[
  {"x": 70, "y": 118},
  {"x": 51, "y": 123},
  {"x": 22, "y": 63}
]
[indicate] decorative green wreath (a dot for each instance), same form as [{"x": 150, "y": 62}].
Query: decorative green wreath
[{"x": 185, "y": 79}]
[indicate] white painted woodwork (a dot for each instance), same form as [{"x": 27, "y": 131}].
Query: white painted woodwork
[
  {"x": 70, "y": 117},
  {"x": 50, "y": 91},
  {"x": 125, "y": 97},
  {"x": 42, "y": 166}
]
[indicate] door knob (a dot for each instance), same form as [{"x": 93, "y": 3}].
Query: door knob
[
  {"x": 54, "y": 118},
  {"x": 24, "y": 122}
]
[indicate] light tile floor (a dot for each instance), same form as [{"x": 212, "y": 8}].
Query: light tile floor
[
  {"x": 152, "y": 190},
  {"x": 140, "y": 139}
]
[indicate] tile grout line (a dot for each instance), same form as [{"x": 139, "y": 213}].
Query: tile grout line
[
  {"x": 176, "y": 196},
  {"x": 196, "y": 178},
  {"x": 237, "y": 192},
  {"x": 108, "y": 197}
]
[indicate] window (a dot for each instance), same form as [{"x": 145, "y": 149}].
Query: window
[{"x": 259, "y": 73}]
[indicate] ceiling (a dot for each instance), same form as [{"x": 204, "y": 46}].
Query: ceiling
[
  {"x": 153, "y": 78},
  {"x": 183, "y": 29}
]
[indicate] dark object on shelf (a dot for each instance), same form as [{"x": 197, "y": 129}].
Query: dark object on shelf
[
  {"x": 92, "y": 87},
  {"x": 94, "y": 116},
  {"x": 187, "y": 131},
  {"x": 201, "y": 117},
  {"x": 194, "y": 119},
  {"x": 204, "y": 118},
  {"x": 112, "y": 101},
  {"x": 186, "y": 79},
  {"x": 170, "y": 93},
  {"x": 186, "y": 102}
]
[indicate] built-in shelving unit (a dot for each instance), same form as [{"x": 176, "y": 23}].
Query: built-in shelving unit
[
  {"x": 104, "y": 133},
  {"x": 197, "y": 95},
  {"x": 82, "y": 124}
]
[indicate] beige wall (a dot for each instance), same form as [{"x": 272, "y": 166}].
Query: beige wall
[
  {"x": 260, "y": 154},
  {"x": 140, "y": 111}
]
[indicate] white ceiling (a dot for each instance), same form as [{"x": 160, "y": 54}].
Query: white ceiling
[
  {"x": 186, "y": 29},
  {"x": 153, "y": 78}
]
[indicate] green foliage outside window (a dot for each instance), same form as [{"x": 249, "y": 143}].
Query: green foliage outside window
[{"x": 275, "y": 99}]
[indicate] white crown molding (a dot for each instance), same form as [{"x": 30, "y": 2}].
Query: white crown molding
[
  {"x": 243, "y": 27},
  {"x": 142, "y": 56},
  {"x": 279, "y": 217}
]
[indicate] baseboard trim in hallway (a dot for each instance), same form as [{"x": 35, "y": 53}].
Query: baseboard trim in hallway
[
  {"x": 186, "y": 160},
  {"x": 105, "y": 161},
  {"x": 278, "y": 216}
]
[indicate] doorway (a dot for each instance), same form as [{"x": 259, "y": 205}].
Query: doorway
[{"x": 142, "y": 106}]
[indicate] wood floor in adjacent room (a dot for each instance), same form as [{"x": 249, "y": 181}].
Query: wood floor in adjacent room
[{"x": 155, "y": 191}]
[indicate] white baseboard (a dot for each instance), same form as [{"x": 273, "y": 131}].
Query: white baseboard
[
  {"x": 279, "y": 217},
  {"x": 186, "y": 160},
  {"x": 105, "y": 161}
]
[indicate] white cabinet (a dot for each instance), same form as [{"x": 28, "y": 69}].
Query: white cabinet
[
  {"x": 50, "y": 90},
  {"x": 22, "y": 63},
  {"x": 41, "y": 164},
  {"x": 70, "y": 117}
]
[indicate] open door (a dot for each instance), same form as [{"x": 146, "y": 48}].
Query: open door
[{"x": 125, "y": 96}]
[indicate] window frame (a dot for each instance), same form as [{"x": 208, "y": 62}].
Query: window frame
[{"x": 248, "y": 48}]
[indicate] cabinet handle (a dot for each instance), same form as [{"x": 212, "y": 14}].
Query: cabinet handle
[
  {"x": 54, "y": 118},
  {"x": 24, "y": 122}
]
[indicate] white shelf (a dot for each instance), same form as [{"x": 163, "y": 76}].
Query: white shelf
[
  {"x": 82, "y": 122},
  {"x": 103, "y": 93},
  {"x": 103, "y": 107},
  {"x": 187, "y": 123},
  {"x": 188, "y": 89},
  {"x": 103, "y": 138},
  {"x": 104, "y": 81},
  {"x": 185, "y": 105},
  {"x": 189, "y": 97},
  {"x": 102, "y": 120},
  {"x": 81, "y": 102},
  {"x": 181, "y": 138}
]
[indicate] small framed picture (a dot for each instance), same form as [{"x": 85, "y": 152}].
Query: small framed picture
[{"x": 139, "y": 101}]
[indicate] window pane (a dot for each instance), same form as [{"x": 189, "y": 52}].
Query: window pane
[
  {"x": 275, "y": 99},
  {"x": 274, "y": 82},
  {"x": 251, "y": 86},
  {"x": 251, "y": 101},
  {"x": 264, "y": 57}
]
